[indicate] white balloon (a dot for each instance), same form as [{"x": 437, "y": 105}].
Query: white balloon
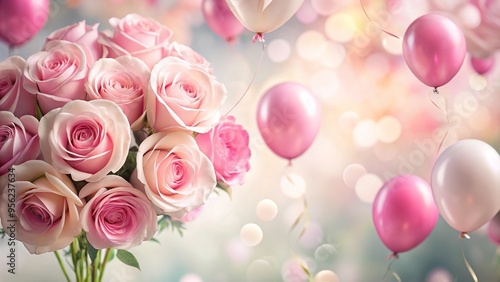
[
  {"x": 466, "y": 184},
  {"x": 263, "y": 16}
]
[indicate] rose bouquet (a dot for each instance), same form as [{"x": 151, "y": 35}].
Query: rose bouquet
[{"x": 107, "y": 138}]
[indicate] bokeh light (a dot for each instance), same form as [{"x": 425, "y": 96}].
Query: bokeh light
[
  {"x": 251, "y": 234},
  {"x": 259, "y": 270},
  {"x": 266, "y": 210},
  {"x": 368, "y": 186},
  {"x": 340, "y": 27},
  {"x": 278, "y": 50},
  {"x": 388, "y": 129},
  {"x": 365, "y": 133},
  {"x": 326, "y": 276},
  {"x": 352, "y": 173},
  {"x": 310, "y": 45}
]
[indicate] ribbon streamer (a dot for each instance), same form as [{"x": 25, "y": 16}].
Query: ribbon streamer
[
  {"x": 445, "y": 113},
  {"x": 261, "y": 39},
  {"x": 375, "y": 24},
  {"x": 303, "y": 266},
  {"x": 467, "y": 264},
  {"x": 393, "y": 257}
]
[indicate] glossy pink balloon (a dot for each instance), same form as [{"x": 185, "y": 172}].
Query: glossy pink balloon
[
  {"x": 434, "y": 49},
  {"x": 288, "y": 118},
  {"x": 404, "y": 212},
  {"x": 482, "y": 65},
  {"x": 494, "y": 229},
  {"x": 220, "y": 19},
  {"x": 20, "y": 20}
]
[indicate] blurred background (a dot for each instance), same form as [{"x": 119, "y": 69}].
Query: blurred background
[{"x": 378, "y": 121}]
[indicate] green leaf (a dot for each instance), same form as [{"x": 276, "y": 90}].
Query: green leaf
[
  {"x": 38, "y": 111},
  {"x": 91, "y": 251},
  {"x": 127, "y": 258},
  {"x": 226, "y": 188},
  {"x": 2, "y": 233},
  {"x": 111, "y": 255},
  {"x": 154, "y": 240},
  {"x": 128, "y": 167}
]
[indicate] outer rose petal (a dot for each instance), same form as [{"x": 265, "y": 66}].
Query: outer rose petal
[
  {"x": 38, "y": 179},
  {"x": 194, "y": 190},
  {"x": 107, "y": 153}
]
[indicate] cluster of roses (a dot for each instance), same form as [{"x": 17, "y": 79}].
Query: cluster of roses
[{"x": 93, "y": 105}]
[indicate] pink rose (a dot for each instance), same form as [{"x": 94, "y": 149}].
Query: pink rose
[
  {"x": 124, "y": 81},
  {"x": 177, "y": 176},
  {"x": 82, "y": 34},
  {"x": 57, "y": 75},
  {"x": 226, "y": 145},
  {"x": 85, "y": 139},
  {"x": 19, "y": 141},
  {"x": 183, "y": 95},
  {"x": 13, "y": 97},
  {"x": 190, "y": 216},
  {"x": 134, "y": 35},
  {"x": 186, "y": 53},
  {"x": 47, "y": 207},
  {"x": 117, "y": 214}
]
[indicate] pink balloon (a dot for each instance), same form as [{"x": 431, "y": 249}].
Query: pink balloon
[
  {"x": 20, "y": 20},
  {"x": 482, "y": 65},
  {"x": 494, "y": 229},
  {"x": 288, "y": 117},
  {"x": 220, "y": 19},
  {"x": 434, "y": 49},
  {"x": 404, "y": 212}
]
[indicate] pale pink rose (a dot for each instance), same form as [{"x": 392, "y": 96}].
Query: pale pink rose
[
  {"x": 183, "y": 95},
  {"x": 123, "y": 80},
  {"x": 85, "y": 139},
  {"x": 19, "y": 141},
  {"x": 46, "y": 206},
  {"x": 138, "y": 36},
  {"x": 226, "y": 145},
  {"x": 82, "y": 34},
  {"x": 13, "y": 97},
  {"x": 186, "y": 53},
  {"x": 116, "y": 215},
  {"x": 176, "y": 175},
  {"x": 57, "y": 75},
  {"x": 190, "y": 216}
]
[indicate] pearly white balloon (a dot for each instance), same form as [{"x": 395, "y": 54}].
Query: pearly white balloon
[
  {"x": 466, "y": 184},
  {"x": 263, "y": 16}
]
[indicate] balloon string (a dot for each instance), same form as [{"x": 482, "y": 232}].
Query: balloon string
[
  {"x": 303, "y": 267},
  {"x": 469, "y": 267},
  {"x": 375, "y": 24},
  {"x": 253, "y": 77},
  {"x": 304, "y": 216},
  {"x": 393, "y": 257},
  {"x": 445, "y": 113}
]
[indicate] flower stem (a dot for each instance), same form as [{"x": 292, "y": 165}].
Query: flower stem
[
  {"x": 74, "y": 249},
  {"x": 104, "y": 262},
  {"x": 61, "y": 264},
  {"x": 95, "y": 266}
]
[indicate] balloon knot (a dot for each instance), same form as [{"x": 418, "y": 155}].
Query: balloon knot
[
  {"x": 464, "y": 235},
  {"x": 258, "y": 36},
  {"x": 435, "y": 90},
  {"x": 393, "y": 256}
]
